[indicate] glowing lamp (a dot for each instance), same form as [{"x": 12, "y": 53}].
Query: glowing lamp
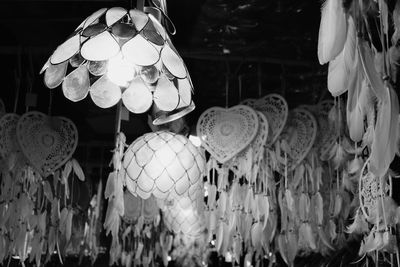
[
  {"x": 115, "y": 48},
  {"x": 162, "y": 163},
  {"x": 120, "y": 71}
]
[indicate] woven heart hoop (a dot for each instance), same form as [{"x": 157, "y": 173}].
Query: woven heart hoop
[
  {"x": 300, "y": 133},
  {"x": 226, "y": 132},
  {"x": 252, "y": 154},
  {"x": 47, "y": 142},
  {"x": 328, "y": 132},
  {"x": 275, "y": 109}
]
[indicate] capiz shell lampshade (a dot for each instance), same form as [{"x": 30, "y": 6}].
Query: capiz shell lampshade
[
  {"x": 120, "y": 47},
  {"x": 162, "y": 163}
]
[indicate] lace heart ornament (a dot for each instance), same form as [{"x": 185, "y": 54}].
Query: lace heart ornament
[
  {"x": 225, "y": 132},
  {"x": 47, "y": 142}
]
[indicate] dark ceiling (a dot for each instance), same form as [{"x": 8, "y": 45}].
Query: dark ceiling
[{"x": 270, "y": 45}]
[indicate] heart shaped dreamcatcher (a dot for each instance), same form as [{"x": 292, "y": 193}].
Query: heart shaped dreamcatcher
[
  {"x": 226, "y": 132},
  {"x": 298, "y": 138},
  {"x": 47, "y": 142}
]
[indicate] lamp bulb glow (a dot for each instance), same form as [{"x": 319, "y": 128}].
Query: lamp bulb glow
[{"x": 120, "y": 71}]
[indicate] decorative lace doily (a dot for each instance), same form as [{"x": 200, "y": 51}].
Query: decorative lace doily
[
  {"x": 47, "y": 142},
  {"x": 8, "y": 137},
  {"x": 327, "y": 132},
  {"x": 370, "y": 190},
  {"x": 256, "y": 148},
  {"x": 299, "y": 133},
  {"x": 275, "y": 108},
  {"x": 226, "y": 132}
]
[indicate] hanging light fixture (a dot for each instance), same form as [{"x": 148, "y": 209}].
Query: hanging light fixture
[
  {"x": 117, "y": 54},
  {"x": 162, "y": 163}
]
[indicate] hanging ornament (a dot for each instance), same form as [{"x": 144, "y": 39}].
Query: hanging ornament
[
  {"x": 297, "y": 138},
  {"x": 161, "y": 163},
  {"x": 226, "y": 132},
  {"x": 47, "y": 142},
  {"x": 248, "y": 162},
  {"x": 117, "y": 46},
  {"x": 275, "y": 109},
  {"x": 327, "y": 131}
]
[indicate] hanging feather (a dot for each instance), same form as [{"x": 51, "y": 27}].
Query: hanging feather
[
  {"x": 384, "y": 146},
  {"x": 389, "y": 211},
  {"x": 390, "y": 242},
  {"x": 340, "y": 156},
  {"x": 222, "y": 203},
  {"x": 298, "y": 175},
  {"x": 324, "y": 239},
  {"x": 219, "y": 236},
  {"x": 306, "y": 237},
  {"x": 304, "y": 207},
  {"x": 396, "y": 22},
  {"x": 355, "y": 165},
  {"x": 78, "y": 170},
  {"x": 266, "y": 210},
  {"x": 368, "y": 137},
  {"x": 63, "y": 220},
  {"x": 394, "y": 61},
  {"x": 319, "y": 207},
  {"x": 248, "y": 199},
  {"x": 332, "y": 30},
  {"x": 256, "y": 231},
  {"x": 372, "y": 76},
  {"x": 212, "y": 193},
  {"x": 283, "y": 248},
  {"x": 338, "y": 205},
  {"x": 289, "y": 200},
  {"x": 332, "y": 230},
  {"x": 292, "y": 246},
  {"x": 371, "y": 242},
  {"x": 354, "y": 112},
  {"x": 384, "y": 13},
  {"x": 359, "y": 224},
  {"x": 68, "y": 225},
  {"x": 341, "y": 67}
]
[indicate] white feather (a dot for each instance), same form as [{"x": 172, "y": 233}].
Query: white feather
[
  {"x": 332, "y": 31},
  {"x": 343, "y": 64},
  {"x": 367, "y": 61},
  {"x": 384, "y": 144}
]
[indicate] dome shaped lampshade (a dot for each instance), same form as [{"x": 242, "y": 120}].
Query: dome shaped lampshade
[
  {"x": 162, "y": 163},
  {"x": 116, "y": 54}
]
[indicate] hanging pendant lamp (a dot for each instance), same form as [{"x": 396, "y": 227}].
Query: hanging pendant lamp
[
  {"x": 117, "y": 54},
  {"x": 162, "y": 163}
]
